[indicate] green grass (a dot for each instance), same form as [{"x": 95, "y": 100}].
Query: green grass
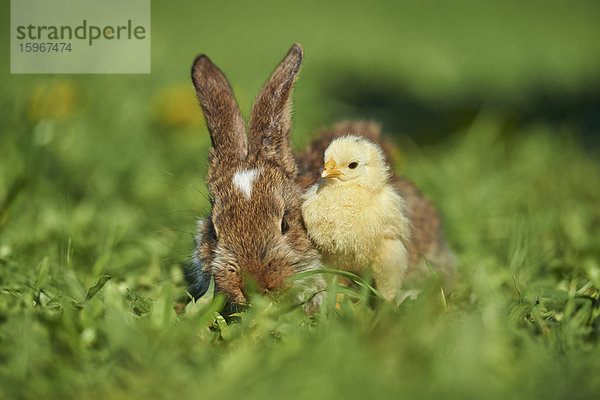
[{"x": 103, "y": 176}]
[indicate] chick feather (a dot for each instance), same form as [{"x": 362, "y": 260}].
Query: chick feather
[{"x": 358, "y": 217}]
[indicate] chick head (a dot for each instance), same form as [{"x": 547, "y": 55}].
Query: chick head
[{"x": 353, "y": 159}]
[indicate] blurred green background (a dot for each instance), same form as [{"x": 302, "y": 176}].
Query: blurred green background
[{"x": 495, "y": 107}]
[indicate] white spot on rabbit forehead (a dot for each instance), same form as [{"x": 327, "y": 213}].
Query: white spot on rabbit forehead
[{"x": 244, "y": 179}]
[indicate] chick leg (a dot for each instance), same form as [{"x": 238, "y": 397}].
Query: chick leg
[{"x": 389, "y": 266}]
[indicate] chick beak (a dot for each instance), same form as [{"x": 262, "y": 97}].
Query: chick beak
[{"x": 330, "y": 170}]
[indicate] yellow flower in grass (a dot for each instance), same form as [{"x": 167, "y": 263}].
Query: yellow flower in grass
[
  {"x": 53, "y": 100},
  {"x": 176, "y": 106}
]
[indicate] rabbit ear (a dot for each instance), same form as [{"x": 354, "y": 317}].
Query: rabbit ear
[
  {"x": 223, "y": 117},
  {"x": 270, "y": 121}
]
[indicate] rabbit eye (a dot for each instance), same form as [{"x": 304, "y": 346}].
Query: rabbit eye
[
  {"x": 285, "y": 227},
  {"x": 231, "y": 270},
  {"x": 353, "y": 165}
]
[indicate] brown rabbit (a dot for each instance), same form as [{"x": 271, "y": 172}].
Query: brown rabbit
[
  {"x": 423, "y": 237},
  {"x": 254, "y": 235}
]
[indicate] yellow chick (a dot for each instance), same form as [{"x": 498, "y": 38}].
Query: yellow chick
[{"x": 355, "y": 216}]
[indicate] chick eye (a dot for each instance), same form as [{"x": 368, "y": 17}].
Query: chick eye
[
  {"x": 353, "y": 165},
  {"x": 285, "y": 227}
]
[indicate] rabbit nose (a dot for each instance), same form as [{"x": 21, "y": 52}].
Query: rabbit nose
[{"x": 241, "y": 298}]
